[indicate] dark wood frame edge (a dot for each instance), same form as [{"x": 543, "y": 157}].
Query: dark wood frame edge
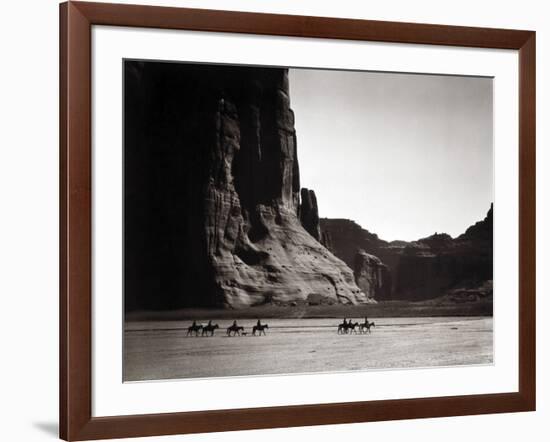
[{"x": 76, "y": 421}]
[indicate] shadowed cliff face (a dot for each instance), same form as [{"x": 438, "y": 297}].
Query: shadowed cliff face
[
  {"x": 212, "y": 193},
  {"x": 309, "y": 214},
  {"x": 421, "y": 269},
  {"x": 371, "y": 275}
]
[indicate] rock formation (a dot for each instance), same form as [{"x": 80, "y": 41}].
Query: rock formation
[
  {"x": 371, "y": 275},
  {"x": 431, "y": 266},
  {"x": 212, "y": 193},
  {"x": 309, "y": 213},
  {"x": 423, "y": 269},
  {"x": 326, "y": 240},
  {"x": 346, "y": 237},
  {"x": 481, "y": 231}
]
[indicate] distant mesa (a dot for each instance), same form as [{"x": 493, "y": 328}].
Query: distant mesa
[{"x": 422, "y": 269}]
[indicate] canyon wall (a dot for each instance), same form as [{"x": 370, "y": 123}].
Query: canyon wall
[
  {"x": 213, "y": 212},
  {"x": 309, "y": 213},
  {"x": 214, "y": 215},
  {"x": 422, "y": 269},
  {"x": 371, "y": 275}
]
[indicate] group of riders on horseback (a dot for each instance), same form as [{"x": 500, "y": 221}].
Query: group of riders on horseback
[
  {"x": 348, "y": 327},
  {"x": 232, "y": 330}
]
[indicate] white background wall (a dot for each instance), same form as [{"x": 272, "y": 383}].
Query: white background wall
[{"x": 29, "y": 217}]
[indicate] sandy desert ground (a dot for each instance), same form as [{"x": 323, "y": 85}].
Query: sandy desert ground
[{"x": 161, "y": 350}]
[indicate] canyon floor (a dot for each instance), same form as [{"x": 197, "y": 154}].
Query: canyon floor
[{"x": 161, "y": 350}]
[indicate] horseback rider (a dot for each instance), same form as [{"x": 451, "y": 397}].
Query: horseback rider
[
  {"x": 210, "y": 323},
  {"x": 235, "y": 323},
  {"x": 194, "y": 324},
  {"x": 259, "y": 324}
]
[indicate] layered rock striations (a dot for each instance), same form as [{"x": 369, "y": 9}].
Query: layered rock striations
[
  {"x": 213, "y": 214},
  {"x": 423, "y": 269}
]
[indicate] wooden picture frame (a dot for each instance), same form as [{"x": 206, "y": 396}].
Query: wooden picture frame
[{"x": 76, "y": 421}]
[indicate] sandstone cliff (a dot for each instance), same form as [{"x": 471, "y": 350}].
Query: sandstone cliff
[
  {"x": 309, "y": 213},
  {"x": 371, "y": 275},
  {"x": 212, "y": 193},
  {"x": 345, "y": 238},
  {"x": 423, "y": 269}
]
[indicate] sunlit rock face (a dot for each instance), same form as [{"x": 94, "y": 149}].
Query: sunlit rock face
[{"x": 212, "y": 193}]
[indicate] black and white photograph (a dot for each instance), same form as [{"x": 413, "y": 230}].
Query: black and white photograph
[
  {"x": 282, "y": 220},
  {"x": 234, "y": 221}
]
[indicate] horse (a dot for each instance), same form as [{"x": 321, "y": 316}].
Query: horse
[
  {"x": 366, "y": 326},
  {"x": 259, "y": 328},
  {"x": 195, "y": 328},
  {"x": 344, "y": 328},
  {"x": 235, "y": 329},
  {"x": 351, "y": 327},
  {"x": 209, "y": 329}
]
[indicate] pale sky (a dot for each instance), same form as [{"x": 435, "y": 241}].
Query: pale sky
[{"x": 402, "y": 155}]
